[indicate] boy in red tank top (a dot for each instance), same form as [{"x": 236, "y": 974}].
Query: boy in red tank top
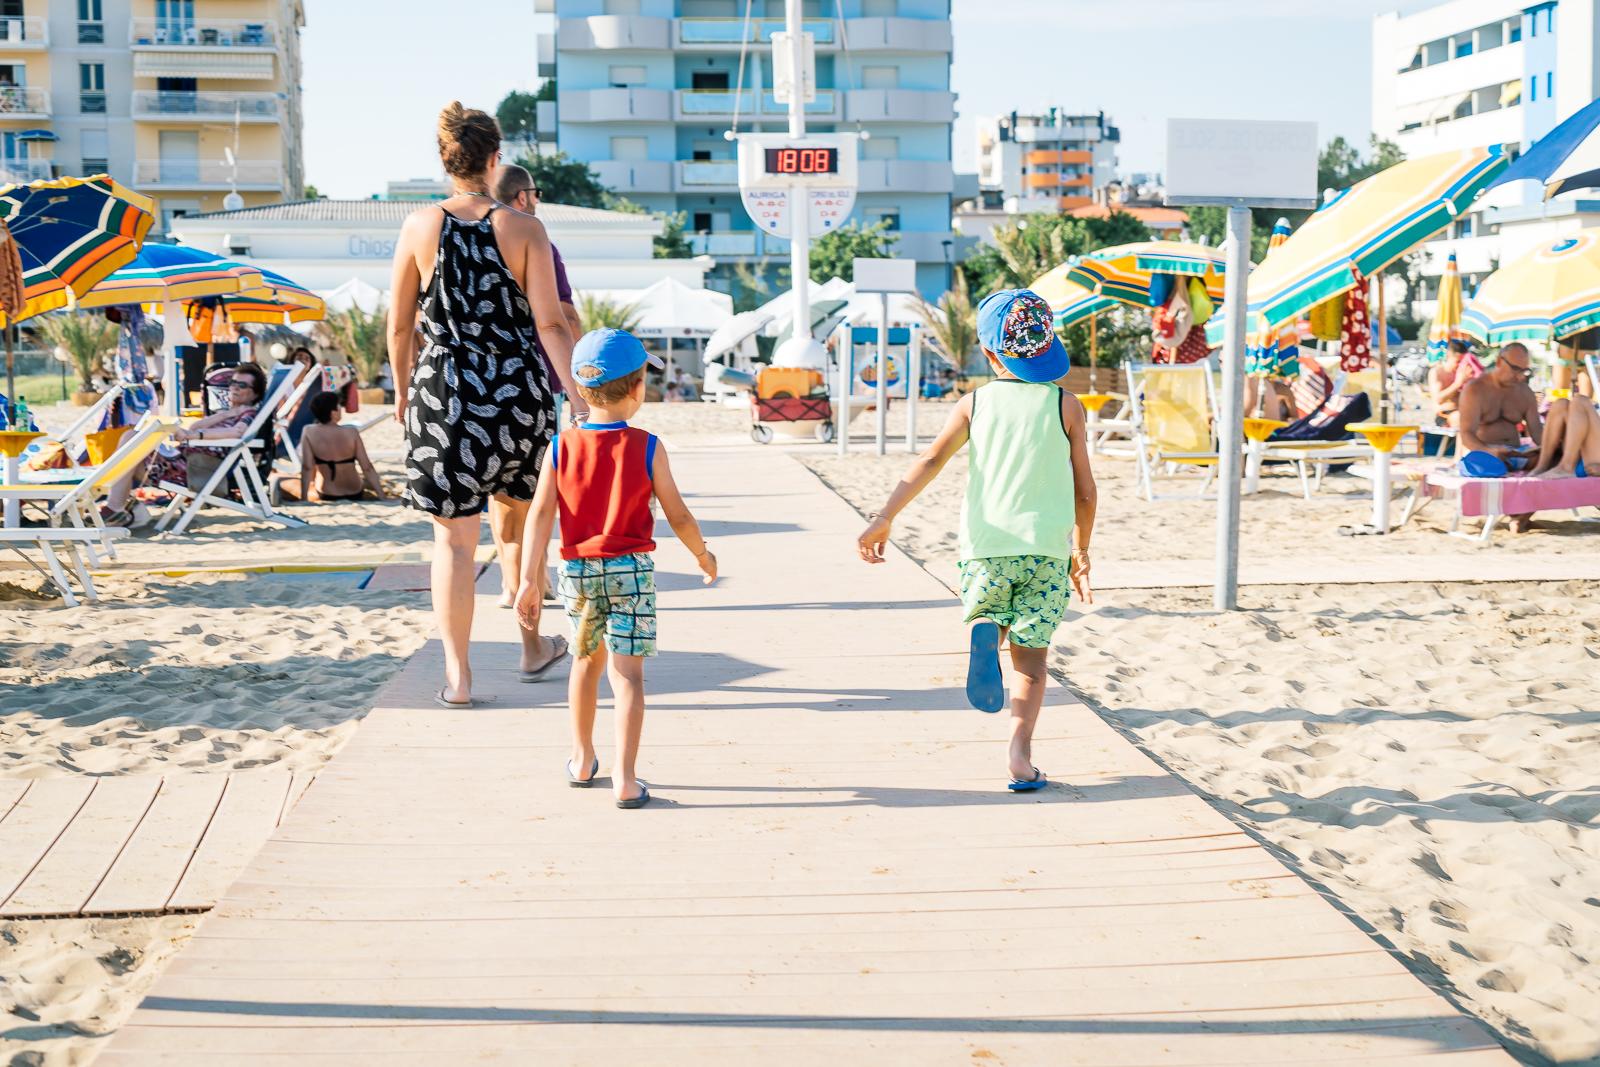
[{"x": 602, "y": 477}]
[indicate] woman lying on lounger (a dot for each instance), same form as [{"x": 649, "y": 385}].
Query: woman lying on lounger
[
  {"x": 333, "y": 459},
  {"x": 1571, "y": 446}
]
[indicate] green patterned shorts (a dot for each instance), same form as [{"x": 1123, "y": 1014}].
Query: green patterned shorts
[
  {"x": 1027, "y": 594},
  {"x": 611, "y": 599}
]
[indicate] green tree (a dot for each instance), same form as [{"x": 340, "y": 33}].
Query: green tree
[
  {"x": 563, "y": 180},
  {"x": 954, "y": 325},
  {"x": 1036, "y": 244},
  {"x": 834, "y": 254},
  {"x": 672, "y": 242},
  {"x": 599, "y": 313},
  {"x": 518, "y": 115},
  {"x": 751, "y": 288},
  {"x": 311, "y": 192},
  {"x": 364, "y": 338},
  {"x": 87, "y": 338}
]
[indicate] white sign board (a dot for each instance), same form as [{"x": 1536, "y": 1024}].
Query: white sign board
[
  {"x": 885, "y": 275},
  {"x": 1242, "y": 163},
  {"x": 779, "y": 174}
]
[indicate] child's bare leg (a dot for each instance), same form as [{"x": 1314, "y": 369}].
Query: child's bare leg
[
  {"x": 583, "y": 693},
  {"x": 627, "y": 685},
  {"x": 1027, "y": 697}
]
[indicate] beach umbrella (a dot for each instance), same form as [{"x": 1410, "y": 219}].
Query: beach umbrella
[
  {"x": 1367, "y": 227},
  {"x": 1129, "y": 272},
  {"x": 1070, "y": 303},
  {"x": 276, "y": 302},
  {"x": 162, "y": 273},
  {"x": 1566, "y": 158},
  {"x": 68, "y": 233},
  {"x": 1552, "y": 292},
  {"x": 1273, "y": 353},
  {"x": 1447, "y": 318}
]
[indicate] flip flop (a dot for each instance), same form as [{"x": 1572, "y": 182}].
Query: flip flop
[
  {"x": 1029, "y": 785},
  {"x": 439, "y": 699},
  {"x": 582, "y": 783},
  {"x": 639, "y": 801},
  {"x": 560, "y": 654},
  {"x": 986, "y": 689}
]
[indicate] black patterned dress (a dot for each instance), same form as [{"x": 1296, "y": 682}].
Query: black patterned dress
[{"x": 480, "y": 415}]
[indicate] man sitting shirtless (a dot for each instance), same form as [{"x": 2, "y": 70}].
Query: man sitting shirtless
[{"x": 1493, "y": 407}]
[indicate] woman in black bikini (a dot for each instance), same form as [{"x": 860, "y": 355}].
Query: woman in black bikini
[{"x": 333, "y": 460}]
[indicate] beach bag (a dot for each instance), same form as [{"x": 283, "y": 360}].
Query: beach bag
[{"x": 1200, "y": 302}]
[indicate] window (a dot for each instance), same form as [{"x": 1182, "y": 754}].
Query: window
[
  {"x": 1462, "y": 46},
  {"x": 94, "y": 150},
  {"x": 630, "y": 148},
  {"x": 1491, "y": 36},
  {"x": 176, "y": 18},
  {"x": 880, "y": 77},
  {"x": 622, "y": 77},
  {"x": 91, "y": 23},
  {"x": 881, "y": 148},
  {"x": 702, "y": 222},
  {"x": 1514, "y": 30},
  {"x": 1435, "y": 52},
  {"x": 92, "y": 88},
  {"x": 709, "y": 80},
  {"x": 1533, "y": 88},
  {"x": 892, "y": 218}
]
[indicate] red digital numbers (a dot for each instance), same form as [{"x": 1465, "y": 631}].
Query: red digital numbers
[{"x": 802, "y": 160}]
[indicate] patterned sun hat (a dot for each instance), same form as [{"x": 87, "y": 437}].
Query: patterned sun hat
[{"x": 1018, "y": 326}]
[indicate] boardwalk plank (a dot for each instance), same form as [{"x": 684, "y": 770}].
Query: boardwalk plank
[
  {"x": 158, "y": 854},
  {"x": 832, "y": 873},
  {"x": 34, "y": 825},
  {"x": 70, "y": 872},
  {"x": 246, "y": 815},
  {"x": 11, "y": 790}
]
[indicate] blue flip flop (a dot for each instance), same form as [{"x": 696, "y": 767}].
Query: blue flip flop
[
  {"x": 582, "y": 783},
  {"x": 639, "y": 801},
  {"x": 1029, "y": 785},
  {"x": 986, "y": 689}
]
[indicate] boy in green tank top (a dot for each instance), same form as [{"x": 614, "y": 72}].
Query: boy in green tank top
[{"x": 1028, "y": 513}]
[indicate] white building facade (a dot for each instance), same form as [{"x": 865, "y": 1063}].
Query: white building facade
[
  {"x": 321, "y": 244},
  {"x": 1478, "y": 72},
  {"x": 1047, "y": 162}
]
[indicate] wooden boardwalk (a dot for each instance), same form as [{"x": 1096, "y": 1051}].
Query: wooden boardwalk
[
  {"x": 85, "y": 846},
  {"x": 832, "y": 873}
]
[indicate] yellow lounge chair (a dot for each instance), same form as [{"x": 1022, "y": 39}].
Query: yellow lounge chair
[{"x": 1172, "y": 410}]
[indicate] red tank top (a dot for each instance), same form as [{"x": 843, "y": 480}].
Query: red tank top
[{"x": 603, "y": 490}]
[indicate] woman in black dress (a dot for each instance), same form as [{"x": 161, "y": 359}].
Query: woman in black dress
[{"x": 477, "y": 412}]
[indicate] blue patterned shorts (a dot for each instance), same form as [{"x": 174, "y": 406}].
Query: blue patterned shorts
[{"x": 612, "y": 600}]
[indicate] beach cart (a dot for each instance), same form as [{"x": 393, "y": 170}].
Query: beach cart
[{"x": 794, "y": 398}]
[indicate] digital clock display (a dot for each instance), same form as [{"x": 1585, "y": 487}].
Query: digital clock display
[{"x": 802, "y": 160}]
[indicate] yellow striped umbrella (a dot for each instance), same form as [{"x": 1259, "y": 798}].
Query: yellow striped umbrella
[
  {"x": 1127, "y": 272},
  {"x": 1367, "y": 227},
  {"x": 163, "y": 272},
  {"x": 1447, "y": 319},
  {"x": 1069, "y": 302},
  {"x": 1274, "y": 353},
  {"x": 1553, "y": 291},
  {"x": 71, "y": 233},
  {"x": 278, "y": 301}
]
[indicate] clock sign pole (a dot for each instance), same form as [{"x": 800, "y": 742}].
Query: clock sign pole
[{"x": 797, "y": 185}]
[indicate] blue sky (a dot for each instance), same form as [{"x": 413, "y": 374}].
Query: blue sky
[{"x": 373, "y": 86}]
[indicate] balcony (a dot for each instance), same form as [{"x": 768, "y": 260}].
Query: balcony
[
  {"x": 1042, "y": 157},
  {"x": 719, "y": 103},
  {"x": 254, "y": 175},
  {"x": 906, "y": 176},
  {"x": 1056, "y": 133},
  {"x": 615, "y": 105},
  {"x": 158, "y": 105},
  {"x": 725, "y": 244},
  {"x": 899, "y": 105},
  {"x": 23, "y": 102},
  {"x": 634, "y": 175},
  {"x": 897, "y": 35},
  {"x": 22, "y": 171},
  {"x": 634, "y": 32},
  {"x": 233, "y": 34},
  {"x": 730, "y": 33},
  {"x": 710, "y": 174},
  {"x": 26, "y": 34}
]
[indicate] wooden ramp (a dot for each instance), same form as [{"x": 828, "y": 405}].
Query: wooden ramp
[
  {"x": 85, "y": 846},
  {"x": 832, "y": 873}
]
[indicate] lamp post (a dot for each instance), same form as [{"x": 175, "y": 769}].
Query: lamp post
[{"x": 949, "y": 263}]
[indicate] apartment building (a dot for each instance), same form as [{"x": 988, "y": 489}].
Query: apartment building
[
  {"x": 157, "y": 93},
  {"x": 645, "y": 90},
  {"x": 1479, "y": 72},
  {"x": 1052, "y": 161}
]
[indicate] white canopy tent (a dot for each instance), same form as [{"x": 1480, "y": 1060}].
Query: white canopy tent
[{"x": 355, "y": 293}]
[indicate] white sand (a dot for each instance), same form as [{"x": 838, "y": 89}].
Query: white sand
[{"x": 1424, "y": 752}]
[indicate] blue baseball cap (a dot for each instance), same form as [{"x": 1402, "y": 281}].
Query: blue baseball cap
[
  {"x": 602, "y": 356},
  {"x": 1018, "y": 327}
]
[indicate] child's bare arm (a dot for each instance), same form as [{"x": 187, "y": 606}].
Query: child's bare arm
[
  {"x": 677, "y": 514},
  {"x": 924, "y": 469},
  {"x": 535, "y": 541},
  {"x": 1086, "y": 497}
]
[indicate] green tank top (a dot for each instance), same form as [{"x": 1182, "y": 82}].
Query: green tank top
[{"x": 1019, "y": 474}]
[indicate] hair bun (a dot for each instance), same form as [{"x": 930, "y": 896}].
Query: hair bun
[{"x": 468, "y": 139}]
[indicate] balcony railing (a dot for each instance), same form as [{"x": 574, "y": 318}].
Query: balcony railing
[
  {"x": 720, "y": 102},
  {"x": 724, "y": 244},
  {"x": 21, "y": 171},
  {"x": 24, "y": 32},
  {"x": 202, "y": 33},
  {"x": 732, "y": 31},
  {"x": 216, "y": 105},
  {"x": 17, "y": 101},
  {"x": 197, "y": 173},
  {"x": 695, "y": 172}
]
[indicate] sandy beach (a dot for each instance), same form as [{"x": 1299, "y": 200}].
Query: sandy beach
[{"x": 1420, "y": 751}]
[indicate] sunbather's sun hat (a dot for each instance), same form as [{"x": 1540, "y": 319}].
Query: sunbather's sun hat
[
  {"x": 602, "y": 356},
  {"x": 1017, "y": 326}
]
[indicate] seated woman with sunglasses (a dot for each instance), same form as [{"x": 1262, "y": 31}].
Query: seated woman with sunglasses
[
  {"x": 333, "y": 460},
  {"x": 191, "y": 466}
]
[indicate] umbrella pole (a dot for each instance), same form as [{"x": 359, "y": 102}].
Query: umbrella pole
[
  {"x": 11, "y": 377},
  {"x": 1383, "y": 352},
  {"x": 1094, "y": 351}
]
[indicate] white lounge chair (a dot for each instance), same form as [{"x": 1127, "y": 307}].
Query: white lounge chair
[
  {"x": 239, "y": 465},
  {"x": 46, "y": 540},
  {"x": 1171, "y": 410}
]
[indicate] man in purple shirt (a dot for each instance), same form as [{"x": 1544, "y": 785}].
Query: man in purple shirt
[{"x": 513, "y": 186}]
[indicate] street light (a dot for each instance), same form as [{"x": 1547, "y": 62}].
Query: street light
[{"x": 949, "y": 267}]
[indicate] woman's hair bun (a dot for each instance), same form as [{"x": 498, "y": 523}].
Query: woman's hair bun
[{"x": 468, "y": 138}]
